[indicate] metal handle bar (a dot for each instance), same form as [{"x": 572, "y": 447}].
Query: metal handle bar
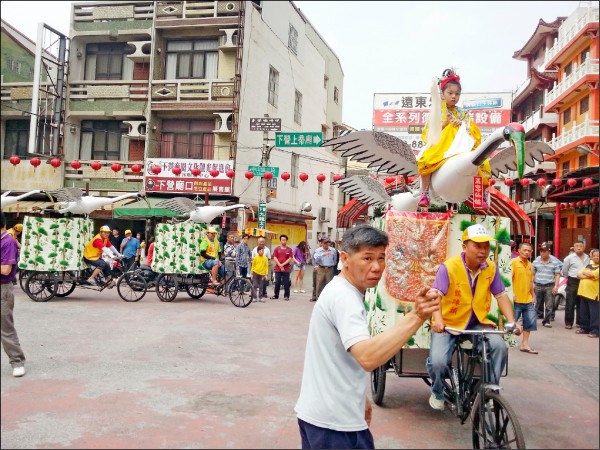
[{"x": 480, "y": 332}]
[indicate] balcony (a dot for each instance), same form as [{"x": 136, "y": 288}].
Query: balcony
[
  {"x": 580, "y": 74},
  {"x": 24, "y": 177},
  {"x": 22, "y": 90},
  {"x": 539, "y": 117},
  {"x": 105, "y": 179},
  {"x": 587, "y": 129},
  {"x": 568, "y": 31},
  {"x": 192, "y": 93},
  {"x": 194, "y": 10},
  {"x": 113, "y": 17}
]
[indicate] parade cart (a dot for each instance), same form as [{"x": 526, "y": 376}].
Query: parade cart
[{"x": 419, "y": 243}]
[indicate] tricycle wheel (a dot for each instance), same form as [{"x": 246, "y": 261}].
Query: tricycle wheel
[
  {"x": 23, "y": 274},
  {"x": 132, "y": 287},
  {"x": 240, "y": 292},
  {"x": 196, "y": 285},
  {"x": 66, "y": 284},
  {"x": 378, "y": 383},
  {"x": 41, "y": 286},
  {"x": 166, "y": 287}
]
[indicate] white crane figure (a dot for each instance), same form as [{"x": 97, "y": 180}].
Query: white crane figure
[
  {"x": 9, "y": 201},
  {"x": 198, "y": 214},
  {"x": 452, "y": 181},
  {"x": 71, "y": 200}
]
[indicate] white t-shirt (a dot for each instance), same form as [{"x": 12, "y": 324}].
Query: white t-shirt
[
  {"x": 266, "y": 252},
  {"x": 334, "y": 384}
]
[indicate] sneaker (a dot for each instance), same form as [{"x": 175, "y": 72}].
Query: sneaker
[
  {"x": 424, "y": 200},
  {"x": 18, "y": 371},
  {"x": 262, "y": 300},
  {"x": 91, "y": 282},
  {"x": 302, "y": 291},
  {"x": 274, "y": 298},
  {"x": 546, "y": 324},
  {"x": 436, "y": 403},
  {"x": 287, "y": 299},
  {"x": 592, "y": 335},
  {"x": 295, "y": 291}
]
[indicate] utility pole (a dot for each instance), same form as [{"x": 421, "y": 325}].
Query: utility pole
[{"x": 266, "y": 151}]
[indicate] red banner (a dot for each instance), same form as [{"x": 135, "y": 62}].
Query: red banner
[{"x": 477, "y": 192}]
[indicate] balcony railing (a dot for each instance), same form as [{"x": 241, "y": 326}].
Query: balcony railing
[
  {"x": 566, "y": 35},
  {"x": 192, "y": 90},
  {"x": 22, "y": 90},
  {"x": 539, "y": 117},
  {"x": 195, "y": 10},
  {"x": 85, "y": 173},
  {"x": 108, "y": 89},
  {"x": 589, "y": 67},
  {"x": 111, "y": 11},
  {"x": 589, "y": 128}
]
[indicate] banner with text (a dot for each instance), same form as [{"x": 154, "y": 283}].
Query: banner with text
[{"x": 186, "y": 182}]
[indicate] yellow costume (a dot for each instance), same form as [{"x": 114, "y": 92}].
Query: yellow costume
[{"x": 433, "y": 158}]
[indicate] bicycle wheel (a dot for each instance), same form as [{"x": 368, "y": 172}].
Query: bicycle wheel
[
  {"x": 240, "y": 292},
  {"x": 378, "y": 384},
  {"x": 166, "y": 287},
  {"x": 23, "y": 274},
  {"x": 132, "y": 287},
  {"x": 196, "y": 285},
  {"x": 499, "y": 426},
  {"x": 66, "y": 284},
  {"x": 41, "y": 286}
]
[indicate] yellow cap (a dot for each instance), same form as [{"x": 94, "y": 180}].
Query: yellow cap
[
  {"x": 105, "y": 228},
  {"x": 211, "y": 230},
  {"x": 476, "y": 233},
  {"x": 127, "y": 232},
  {"x": 18, "y": 227}
]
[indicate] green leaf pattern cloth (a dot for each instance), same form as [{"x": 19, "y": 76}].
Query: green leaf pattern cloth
[{"x": 177, "y": 248}]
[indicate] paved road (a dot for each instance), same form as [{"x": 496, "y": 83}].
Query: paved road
[{"x": 103, "y": 373}]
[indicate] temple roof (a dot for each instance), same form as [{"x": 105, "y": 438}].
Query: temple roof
[{"x": 541, "y": 30}]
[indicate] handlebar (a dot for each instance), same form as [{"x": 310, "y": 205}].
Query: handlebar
[{"x": 510, "y": 328}]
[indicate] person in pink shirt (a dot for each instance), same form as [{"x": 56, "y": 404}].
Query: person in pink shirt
[{"x": 283, "y": 257}]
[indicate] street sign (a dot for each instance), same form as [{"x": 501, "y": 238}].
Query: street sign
[
  {"x": 262, "y": 215},
  {"x": 265, "y": 124},
  {"x": 308, "y": 139},
  {"x": 259, "y": 171}
]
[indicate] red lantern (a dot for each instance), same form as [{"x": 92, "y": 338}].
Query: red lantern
[
  {"x": 75, "y": 164},
  {"x": 15, "y": 160},
  {"x": 55, "y": 162},
  {"x": 390, "y": 180},
  {"x": 571, "y": 182},
  {"x": 524, "y": 182},
  {"x": 115, "y": 167},
  {"x": 303, "y": 176},
  {"x": 285, "y": 176},
  {"x": 595, "y": 201},
  {"x": 96, "y": 165},
  {"x": 541, "y": 182},
  {"x": 214, "y": 173},
  {"x": 321, "y": 178},
  {"x": 337, "y": 177},
  {"x": 492, "y": 182},
  {"x": 176, "y": 170},
  {"x": 579, "y": 204},
  {"x": 156, "y": 169},
  {"x": 230, "y": 173},
  {"x": 557, "y": 182},
  {"x": 249, "y": 175},
  {"x": 35, "y": 162},
  {"x": 195, "y": 171},
  {"x": 508, "y": 181},
  {"x": 572, "y": 205},
  {"x": 136, "y": 168},
  {"x": 587, "y": 203},
  {"x": 267, "y": 175},
  {"x": 587, "y": 182}
]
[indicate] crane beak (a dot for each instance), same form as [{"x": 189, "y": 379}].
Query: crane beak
[
  {"x": 249, "y": 208},
  {"x": 515, "y": 133}
]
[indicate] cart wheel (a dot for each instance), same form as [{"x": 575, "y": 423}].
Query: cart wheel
[
  {"x": 240, "y": 292},
  {"x": 166, "y": 287},
  {"x": 378, "y": 383},
  {"x": 132, "y": 287},
  {"x": 196, "y": 285},
  {"x": 23, "y": 274},
  {"x": 66, "y": 284},
  {"x": 41, "y": 286}
]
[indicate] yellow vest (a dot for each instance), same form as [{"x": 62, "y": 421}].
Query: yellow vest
[
  {"x": 458, "y": 304},
  {"x": 212, "y": 248},
  {"x": 92, "y": 253}
]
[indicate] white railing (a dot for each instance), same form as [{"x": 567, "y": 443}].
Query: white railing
[
  {"x": 194, "y": 10},
  {"x": 589, "y": 128},
  {"x": 566, "y": 35},
  {"x": 589, "y": 67},
  {"x": 538, "y": 117},
  {"x": 192, "y": 90},
  {"x": 85, "y": 172},
  {"x": 108, "y": 89},
  {"x": 112, "y": 11}
]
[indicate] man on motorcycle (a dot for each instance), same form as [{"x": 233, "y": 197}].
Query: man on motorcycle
[{"x": 92, "y": 255}]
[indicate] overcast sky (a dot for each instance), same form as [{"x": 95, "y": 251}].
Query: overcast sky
[{"x": 392, "y": 47}]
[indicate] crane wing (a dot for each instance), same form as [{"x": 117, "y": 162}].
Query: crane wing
[
  {"x": 379, "y": 150},
  {"x": 181, "y": 205},
  {"x": 365, "y": 189},
  {"x": 68, "y": 194},
  {"x": 504, "y": 158}
]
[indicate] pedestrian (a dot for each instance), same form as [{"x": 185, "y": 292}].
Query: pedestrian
[
  {"x": 325, "y": 261},
  {"x": 336, "y": 268},
  {"x": 283, "y": 256},
  {"x": 15, "y": 232},
  {"x": 115, "y": 239},
  {"x": 313, "y": 297},
  {"x": 130, "y": 248},
  {"x": 9, "y": 257},
  {"x": 467, "y": 309},
  {"x": 243, "y": 256},
  {"x": 332, "y": 409},
  {"x": 259, "y": 270},
  {"x": 524, "y": 295},
  {"x": 300, "y": 258},
  {"x": 572, "y": 265},
  {"x": 514, "y": 253},
  {"x": 546, "y": 269},
  {"x": 588, "y": 296},
  {"x": 262, "y": 242}
]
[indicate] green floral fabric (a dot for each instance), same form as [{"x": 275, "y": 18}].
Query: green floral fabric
[{"x": 177, "y": 248}]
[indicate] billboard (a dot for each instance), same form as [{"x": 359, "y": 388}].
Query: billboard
[
  {"x": 405, "y": 115},
  {"x": 186, "y": 182}
]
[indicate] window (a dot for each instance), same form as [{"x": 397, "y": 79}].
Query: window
[
  {"x": 584, "y": 55},
  {"x": 293, "y": 40},
  {"x": 192, "y": 59},
  {"x": 16, "y": 138},
  {"x": 564, "y": 223},
  {"x": 568, "y": 69},
  {"x": 584, "y": 105},
  {"x": 580, "y": 221},
  {"x": 566, "y": 116},
  {"x": 298, "y": 108},
  {"x": 336, "y": 95},
  {"x": 566, "y": 168},
  {"x": 325, "y": 82},
  {"x": 103, "y": 139},
  {"x": 107, "y": 61},
  {"x": 13, "y": 66},
  {"x": 273, "y": 86},
  {"x": 188, "y": 139},
  {"x": 582, "y": 162},
  {"x": 295, "y": 170}
]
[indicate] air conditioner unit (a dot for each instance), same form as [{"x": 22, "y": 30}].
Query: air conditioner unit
[
  {"x": 222, "y": 91},
  {"x": 325, "y": 215},
  {"x": 224, "y": 8}
]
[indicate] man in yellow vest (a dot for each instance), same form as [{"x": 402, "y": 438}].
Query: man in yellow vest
[
  {"x": 209, "y": 255},
  {"x": 465, "y": 284},
  {"x": 93, "y": 251}
]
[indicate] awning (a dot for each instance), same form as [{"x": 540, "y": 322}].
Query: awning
[
  {"x": 503, "y": 206},
  {"x": 27, "y": 206},
  {"x": 258, "y": 232},
  {"x": 140, "y": 210}
]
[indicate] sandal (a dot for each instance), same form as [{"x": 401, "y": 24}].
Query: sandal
[
  {"x": 580, "y": 331},
  {"x": 529, "y": 350},
  {"x": 568, "y": 327}
]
